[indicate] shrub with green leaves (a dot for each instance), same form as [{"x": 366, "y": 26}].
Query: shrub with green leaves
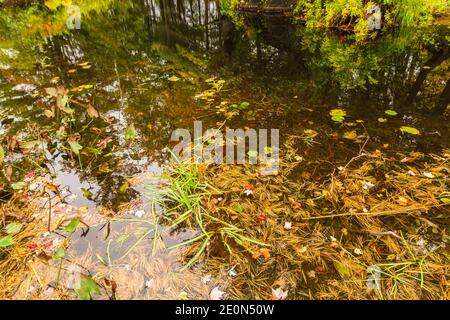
[{"x": 332, "y": 13}]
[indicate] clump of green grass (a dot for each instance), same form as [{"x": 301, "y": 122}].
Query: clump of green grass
[{"x": 184, "y": 194}]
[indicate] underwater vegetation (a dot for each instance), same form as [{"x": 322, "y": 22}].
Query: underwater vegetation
[{"x": 94, "y": 204}]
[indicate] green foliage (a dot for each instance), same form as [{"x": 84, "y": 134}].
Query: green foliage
[
  {"x": 333, "y": 13},
  {"x": 338, "y": 115},
  {"x": 88, "y": 287},
  {"x": 13, "y": 228},
  {"x": 72, "y": 226},
  {"x": 130, "y": 133},
  {"x": 229, "y": 8},
  {"x": 410, "y": 130},
  {"x": 6, "y": 241}
]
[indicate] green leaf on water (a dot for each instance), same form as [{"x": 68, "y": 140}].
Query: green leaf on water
[
  {"x": 72, "y": 226},
  {"x": 382, "y": 120},
  {"x": 29, "y": 144},
  {"x": 338, "y": 115},
  {"x": 2, "y": 154},
  {"x": 342, "y": 269},
  {"x": 75, "y": 146},
  {"x": 268, "y": 150},
  {"x": 88, "y": 287},
  {"x": 174, "y": 79},
  {"x": 391, "y": 112},
  {"x": 252, "y": 154},
  {"x": 410, "y": 130},
  {"x": 130, "y": 132},
  {"x": 86, "y": 193},
  {"x": 124, "y": 187},
  {"x": 6, "y": 241},
  {"x": 61, "y": 253},
  {"x": 18, "y": 185},
  {"x": 238, "y": 208},
  {"x": 244, "y": 105},
  {"x": 13, "y": 228}
]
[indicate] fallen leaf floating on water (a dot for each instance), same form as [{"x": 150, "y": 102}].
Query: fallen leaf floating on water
[
  {"x": 72, "y": 226},
  {"x": 216, "y": 294},
  {"x": 149, "y": 283},
  {"x": 296, "y": 205},
  {"x": 92, "y": 111},
  {"x": 183, "y": 296},
  {"x": 87, "y": 288},
  {"x": 130, "y": 132},
  {"x": 174, "y": 79},
  {"x": 206, "y": 279},
  {"x": 368, "y": 185},
  {"x": 262, "y": 252},
  {"x": 248, "y": 186},
  {"x": 30, "y": 175},
  {"x": 279, "y": 294},
  {"x": 82, "y": 210},
  {"x": 248, "y": 189},
  {"x": 6, "y": 241},
  {"x": 47, "y": 245},
  {"x": 410, "y": 130},
  {"x": 139, "y": 213},
  {"x": 338, "y": 115},
  {"x": 232, "y": 272},
  {"x": 13, "y": 228},
  {"x": 342, "y": 269},
  {"x": 429, "y": 175},
  {"x": 261, "y": 218},
  {"x": 288, "y": 225},
  {"x": 402, "y": 201},
  {"x": 350, "y": 135},
  {"x": 391, "y": 112}
]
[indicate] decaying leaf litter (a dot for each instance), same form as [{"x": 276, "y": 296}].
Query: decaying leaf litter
[
  {"x": 373, "y": 227},
  {"x": 269, "y": 237}
]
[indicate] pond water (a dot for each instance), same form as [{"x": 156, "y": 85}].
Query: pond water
[{"x": 142, "y": 65}]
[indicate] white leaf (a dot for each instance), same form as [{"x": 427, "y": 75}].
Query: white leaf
[
  {"x": 216, "y": 294},
  {"x": 149, "y": 283},
  {"x": 206, "y": 279},
  {"x": 279, "y": 294},
  {"x": 428, "y": 175},
  {"x": 232, "y": 272},
  {"x": 139, "y": 213}
]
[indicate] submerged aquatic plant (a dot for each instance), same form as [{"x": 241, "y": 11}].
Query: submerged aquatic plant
[{"x": 182, "y": 193}]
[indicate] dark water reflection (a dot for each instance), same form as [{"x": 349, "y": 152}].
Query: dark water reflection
[{"x": 292, "y": 77}]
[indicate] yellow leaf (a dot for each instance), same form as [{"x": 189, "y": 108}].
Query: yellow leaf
[{"x": 350, "y": 135}]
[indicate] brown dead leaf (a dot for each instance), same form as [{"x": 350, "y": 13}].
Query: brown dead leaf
[
  {"x": 92, "y": 111},
  {"x": 262, "y": 252}
]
